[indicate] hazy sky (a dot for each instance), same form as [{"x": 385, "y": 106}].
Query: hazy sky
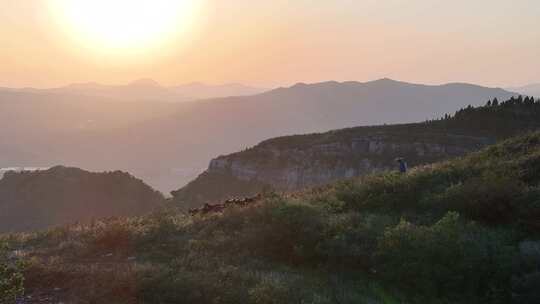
[{"x": 280, "y": 42}]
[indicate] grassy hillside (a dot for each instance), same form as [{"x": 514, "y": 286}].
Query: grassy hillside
[
  {"x": 461, "y": 231},
  {"x": 316, "y": 159}
]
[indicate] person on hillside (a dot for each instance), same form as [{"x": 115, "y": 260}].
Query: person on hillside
[{"x": 402, "y": 165}]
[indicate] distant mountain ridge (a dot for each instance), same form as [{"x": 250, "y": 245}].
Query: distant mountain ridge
[
  {"x": 201, "y": 90},
  {"x": 43, "y": 129},
  {"x": 149, "y": 89},
  {"x": 295, "y": 162},
  {"x": 396, "y": 101},
  {"x": 61, "y": 195}
]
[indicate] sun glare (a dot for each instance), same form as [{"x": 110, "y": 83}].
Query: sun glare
[{"x": 125, "y": 25}]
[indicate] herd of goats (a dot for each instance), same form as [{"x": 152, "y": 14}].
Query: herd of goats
[{"x": 218, "y": 208}]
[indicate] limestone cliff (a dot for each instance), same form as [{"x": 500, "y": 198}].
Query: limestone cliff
[
  {"x": 299, "y": 167},
  {"x": 296, "y": 162}
]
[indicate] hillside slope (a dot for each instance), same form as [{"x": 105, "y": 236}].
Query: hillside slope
[
  {"x": 461, "y": 231},
  {"x": 61, "y": 195},
  {"x": 295, "y": 162}
]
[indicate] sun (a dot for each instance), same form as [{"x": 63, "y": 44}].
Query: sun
[{"x": 125, "y": 25}]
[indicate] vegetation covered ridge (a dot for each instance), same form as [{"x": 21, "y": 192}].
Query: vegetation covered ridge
[
  {"x": 460, "y": 231},
  {"x": 61, "y": 195}
]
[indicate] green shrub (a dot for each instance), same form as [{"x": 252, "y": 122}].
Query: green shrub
[
  {"x": 525, "y": 289},
  {"x": 205, "y": 282},
  {"x": 115, "y": 238},
  {"x": 275, "y": 290},
  {"x": 450, "y": 259},
  {"x": 491, "y": 198},
  {"x": 394, "y": 192},
  {"x": 11, "y": 278},
  {"x": 282, "y": 232},
  {"x": 350, "y": 240},
  {"x": 529, "y": 210}
]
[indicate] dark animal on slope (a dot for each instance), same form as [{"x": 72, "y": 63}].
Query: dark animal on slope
[{"x": 218, "y": 208}]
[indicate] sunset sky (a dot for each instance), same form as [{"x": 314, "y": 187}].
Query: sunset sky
[{"x": 269, "y": 43}]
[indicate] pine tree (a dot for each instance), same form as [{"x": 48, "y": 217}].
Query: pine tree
[
  {"x": 495, "y": 102},
  {"x": 488, "y": 104}
]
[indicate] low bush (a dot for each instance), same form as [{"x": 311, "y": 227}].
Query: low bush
[
  {"x": 451, "y": 259},
  {"x": 11, "y": 278}
]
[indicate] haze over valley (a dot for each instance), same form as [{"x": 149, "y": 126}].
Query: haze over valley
[{"x": 269, "y": 152}]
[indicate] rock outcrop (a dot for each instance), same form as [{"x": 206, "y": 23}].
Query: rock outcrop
[
  {"x": 292, "y": 163},
  {"x": 299, "y": 167}
]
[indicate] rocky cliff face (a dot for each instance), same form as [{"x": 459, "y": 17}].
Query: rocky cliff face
[
  {"x": 292, "y": 163},
  {"x": 318, "y": 164}
]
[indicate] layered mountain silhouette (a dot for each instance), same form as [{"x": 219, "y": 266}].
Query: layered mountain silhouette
[
  {"x": 200, "y": 90},
  {"x": 61, "y": 195},
  {"x": 169, "y": 144},
  {"x": 149, "y": 90}
]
